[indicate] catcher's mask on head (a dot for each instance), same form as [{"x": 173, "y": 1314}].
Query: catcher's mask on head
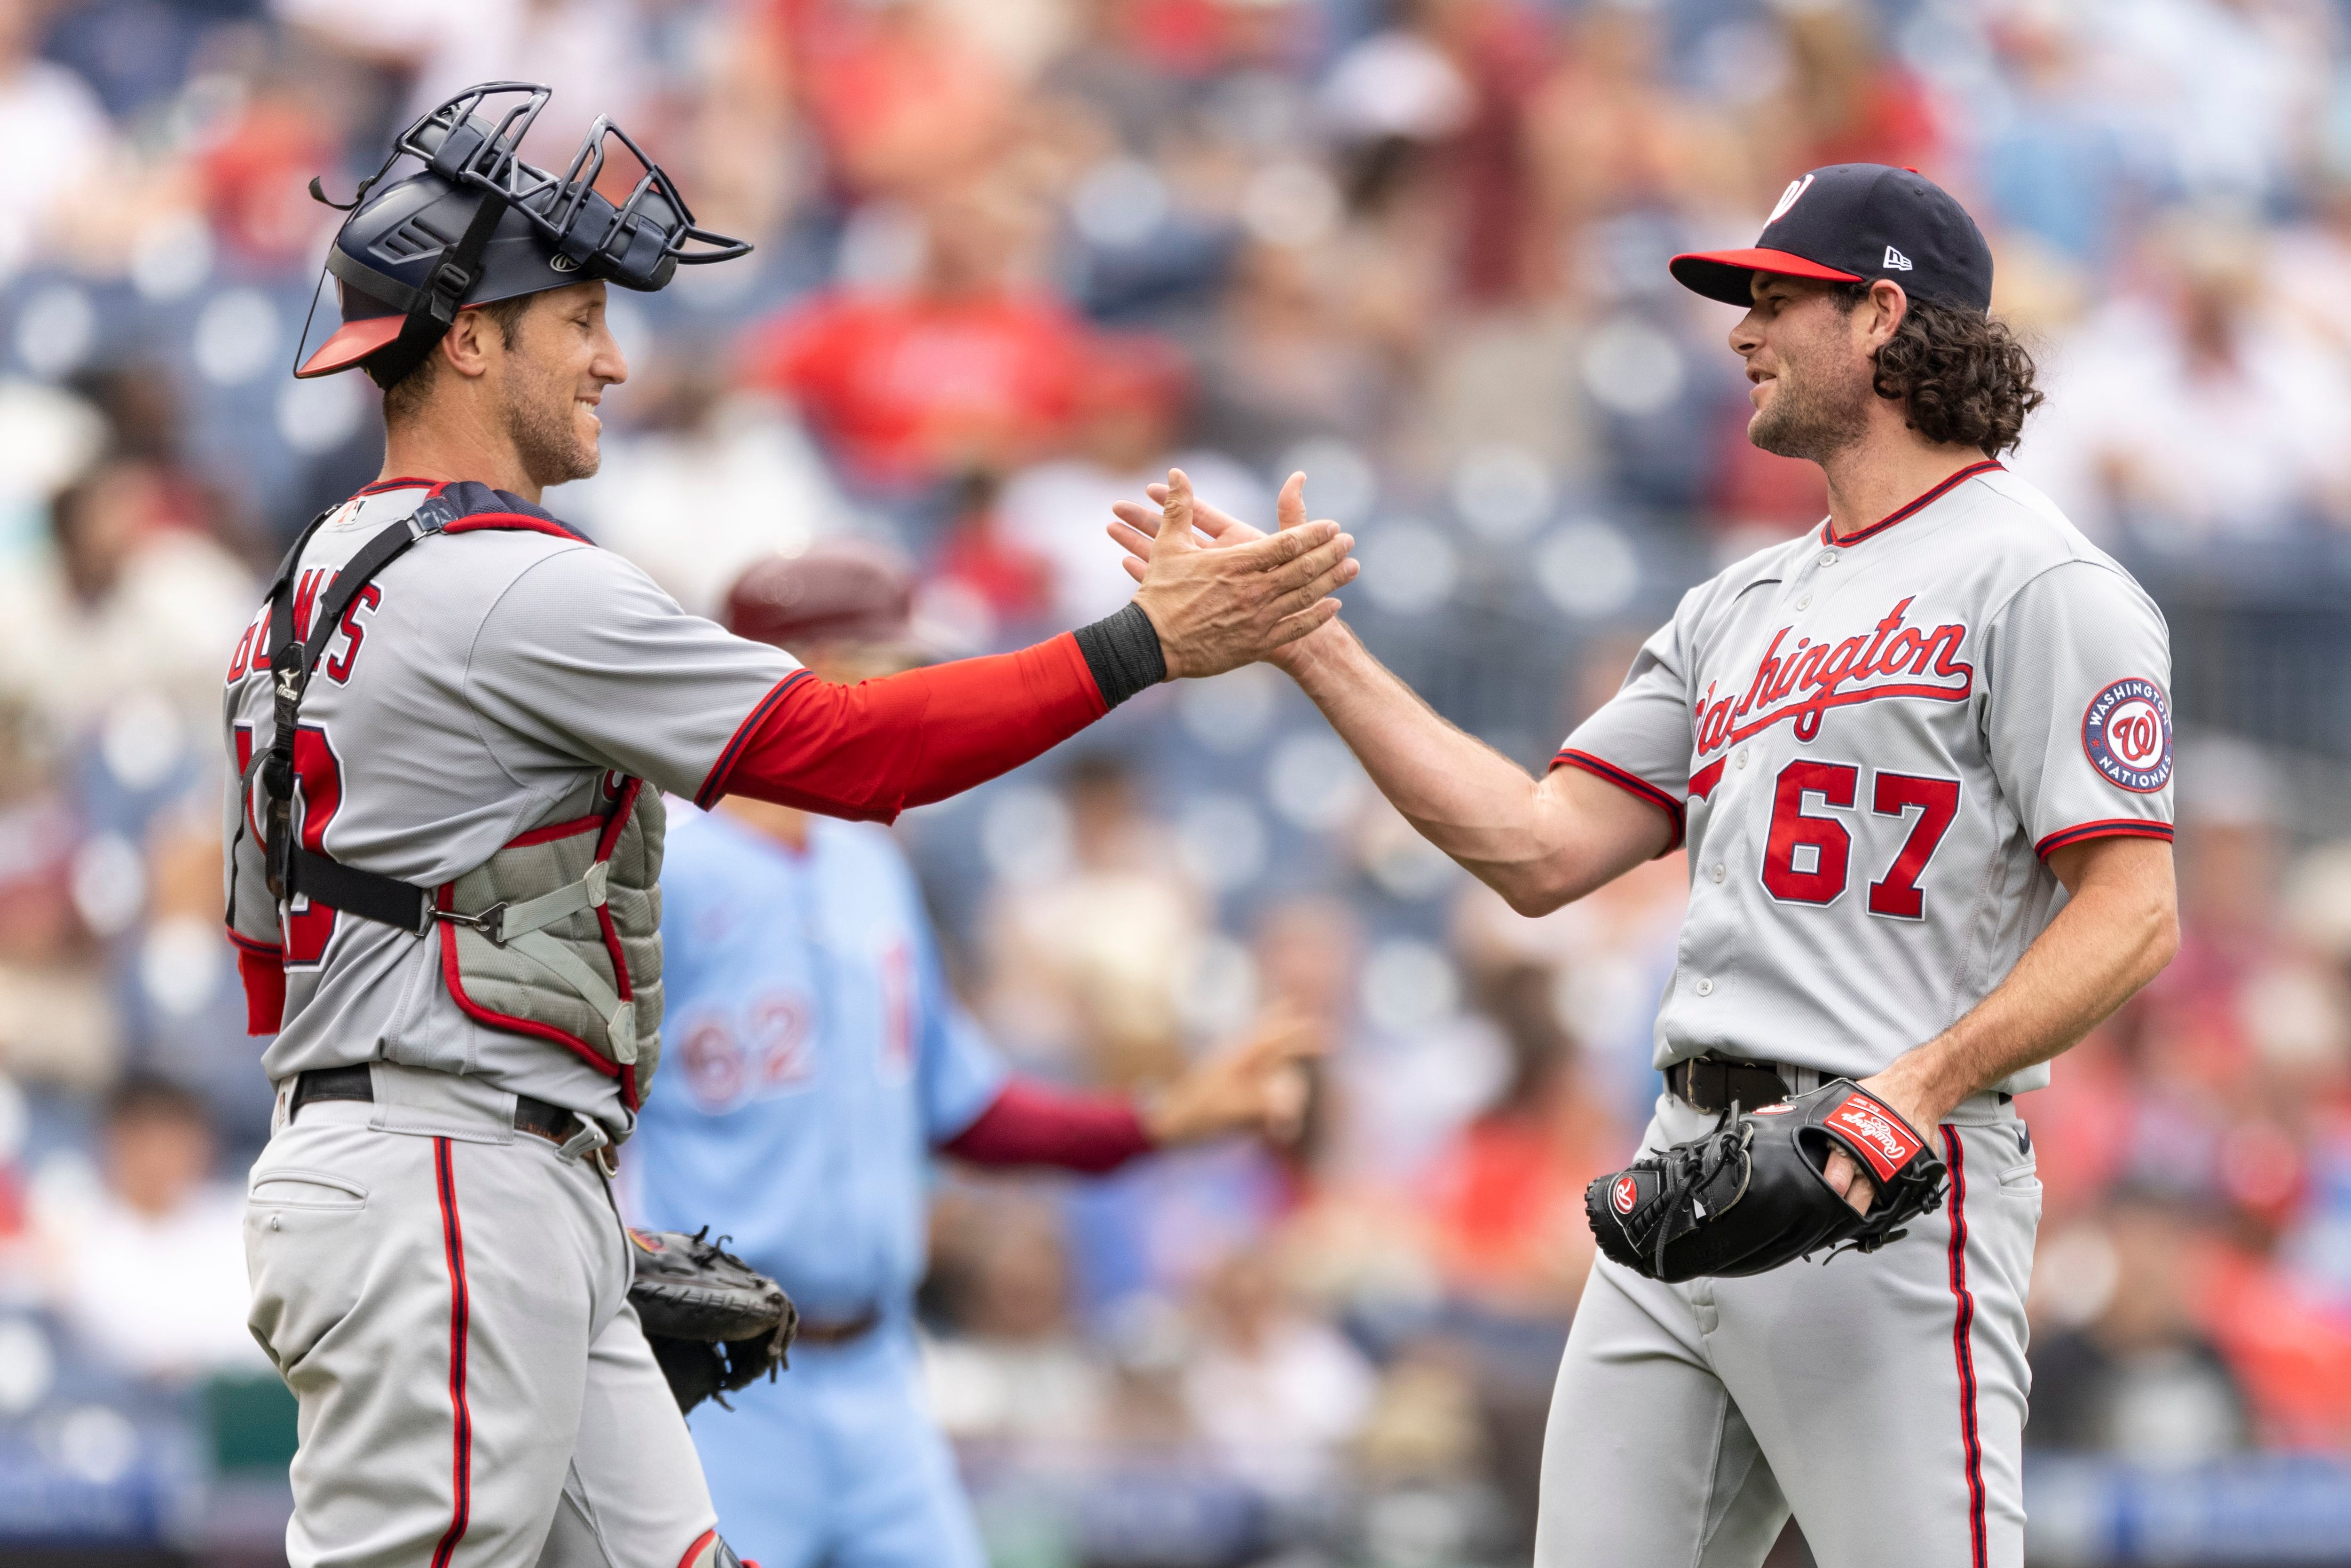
[{"x": 477, "y": 225}]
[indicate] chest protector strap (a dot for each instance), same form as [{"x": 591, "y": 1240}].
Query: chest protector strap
[{"x": 518, "y": 933}]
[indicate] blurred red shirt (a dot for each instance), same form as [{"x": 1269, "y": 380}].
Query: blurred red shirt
[{"x": 906, "y": 387}]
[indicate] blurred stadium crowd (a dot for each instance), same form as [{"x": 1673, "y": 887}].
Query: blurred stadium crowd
[{"x": 1016, "y": 257}]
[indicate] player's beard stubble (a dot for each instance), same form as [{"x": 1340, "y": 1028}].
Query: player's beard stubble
[
  {"x": 544, "y": 426},
  {"x": 1819, "y": 406}
]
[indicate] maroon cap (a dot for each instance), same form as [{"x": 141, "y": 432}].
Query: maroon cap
[{"x": 836, "y": 591}]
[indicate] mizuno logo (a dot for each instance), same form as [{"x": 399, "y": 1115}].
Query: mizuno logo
[
  {"x": 559, "y": 262},
  {"x": 1897, "y": 261}
]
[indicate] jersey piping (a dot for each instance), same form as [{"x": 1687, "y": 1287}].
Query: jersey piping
[
  {"x": 1629, "y": 782},
  {"x": 1829, "y": 537}
]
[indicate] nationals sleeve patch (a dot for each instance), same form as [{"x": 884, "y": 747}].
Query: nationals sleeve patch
[{"x": 2127, "y": 731}]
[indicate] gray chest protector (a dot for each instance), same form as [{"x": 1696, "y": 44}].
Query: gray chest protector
[{"x": 556, "y": 937}]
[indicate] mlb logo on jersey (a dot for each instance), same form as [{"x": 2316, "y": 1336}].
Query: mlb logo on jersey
[{"x": 2127, "y": 731}]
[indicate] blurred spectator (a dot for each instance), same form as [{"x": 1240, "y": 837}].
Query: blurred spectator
[
  {"x": 1505, "y": 1198},
  {"x": 54, "y": 127},
  {"x": 2140, "y": 1378},
  {"x": 1844, "y": 99},
  {"x": 903, "y": 96},
  {"x": 704, "y": 481},
  {"x": 1132, "y": 404},
  {"x": 130, "y": 602},
  {"x": 2196, "y": 410},
  {"x": 591, "y": 51},
  {"x": 969, "y": 366},
  {"x": 152, "y": 1273},
  {"x": 1275, "y": 1392},
  {"x": 1081, "y": 961},
  {"x": 1015, "y": 1373}
]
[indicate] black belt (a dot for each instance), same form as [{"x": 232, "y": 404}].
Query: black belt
[
  {"x": 841, "y": 1333},
  {"x": 553, "y": 1122},
  {"x": 1712, "y": 1084}
]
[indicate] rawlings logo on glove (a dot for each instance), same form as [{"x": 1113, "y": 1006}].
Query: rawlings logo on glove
[{"x": 1753, "y": 1194}]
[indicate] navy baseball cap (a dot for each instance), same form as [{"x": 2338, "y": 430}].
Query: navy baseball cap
[{"x": 1855, "y": 223}]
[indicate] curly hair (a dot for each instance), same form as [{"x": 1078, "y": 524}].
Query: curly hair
[{"x": 1961, "y": 376}]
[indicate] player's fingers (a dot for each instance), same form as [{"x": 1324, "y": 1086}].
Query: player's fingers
[
  {"x": 1135, "y": 567},
  {"x": 1291, "y": 628},
  {"x": 1845, "y": 1179},
  {"x": 1299, "y": 598},
  {"x": 1142, "y": 519},
  {"x": 1292, "y": 557},
  {"x": 1289, "y": 506},
  {"x": 1274, "y": 549},
  {"x": 1176, "y": 510},
  {"x": 1311, "y": 565},
  {"x": 1129, "y": 539}
]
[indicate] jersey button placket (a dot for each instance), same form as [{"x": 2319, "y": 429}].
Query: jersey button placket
[{"x": 1704, "y": 986}]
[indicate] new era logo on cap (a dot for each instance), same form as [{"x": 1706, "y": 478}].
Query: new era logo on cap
[{"x": 1851, "y": 223}]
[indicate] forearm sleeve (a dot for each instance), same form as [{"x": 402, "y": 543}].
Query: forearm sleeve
[
  {"x": 1034, "y": 1124},
  {"x": 870, "y": 750}
]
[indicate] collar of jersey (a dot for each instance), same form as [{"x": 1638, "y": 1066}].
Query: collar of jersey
[
  {"x": 1908, "y": 508},
  {"x": 483, "y": 507}
]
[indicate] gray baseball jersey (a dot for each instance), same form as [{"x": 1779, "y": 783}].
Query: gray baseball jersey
[
  {"x": 1871, "y": 744},
  {"x": 484, "y": 684}
]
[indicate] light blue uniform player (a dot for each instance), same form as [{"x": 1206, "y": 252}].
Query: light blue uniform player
[{"x": 819, "y": 1059}]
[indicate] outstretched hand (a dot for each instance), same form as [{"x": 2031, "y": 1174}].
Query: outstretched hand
[
  {"x": 1242, "y": 594},
  {"x": 1257, "y": 1084}
]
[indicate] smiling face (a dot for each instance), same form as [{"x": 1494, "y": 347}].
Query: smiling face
[
  {"x": 1809, "y": 367},
  {"x": 552, "y": 378}
]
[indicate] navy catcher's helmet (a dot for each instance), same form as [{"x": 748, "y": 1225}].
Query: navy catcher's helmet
[{"x": 477, "y": 225}]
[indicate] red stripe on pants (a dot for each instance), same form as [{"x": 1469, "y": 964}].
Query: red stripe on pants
[
  {"x": 1963, "y": 1321},
  {"x": 452, "y": 1239}
]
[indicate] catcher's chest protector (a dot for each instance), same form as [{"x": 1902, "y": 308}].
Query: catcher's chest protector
[
  {"x": 589, "y": 979},
  {"x": 556, "y": 937}
]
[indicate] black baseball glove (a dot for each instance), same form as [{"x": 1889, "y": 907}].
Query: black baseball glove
[
  {"x": 1751, "y": 1195},
  {"x": 716, "y": 1324}
]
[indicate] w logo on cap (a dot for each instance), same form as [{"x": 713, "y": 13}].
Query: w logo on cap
[
  {"x": 1895, "y": 261},
  {"x": 1788, "y": 199}
]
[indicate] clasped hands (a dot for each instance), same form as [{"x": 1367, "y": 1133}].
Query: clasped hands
[{"x": 1240, "y": 595}]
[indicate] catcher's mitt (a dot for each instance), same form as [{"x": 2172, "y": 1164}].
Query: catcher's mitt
[
  {"x": 1750, "y": 1195},
  {"x": 716, "y": 1324}
]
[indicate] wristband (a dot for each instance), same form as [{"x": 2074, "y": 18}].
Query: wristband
[{"x": 1123, "y": 651}]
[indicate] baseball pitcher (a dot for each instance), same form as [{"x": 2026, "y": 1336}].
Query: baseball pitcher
[
  {"x": 451, "y": 727},
  {"x": 1920, "y": 759}
]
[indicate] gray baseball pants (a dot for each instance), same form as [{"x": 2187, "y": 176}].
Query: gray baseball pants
[
  {"x": 1880, "y": 1398},
  {"x": 448, "y": 1300}
]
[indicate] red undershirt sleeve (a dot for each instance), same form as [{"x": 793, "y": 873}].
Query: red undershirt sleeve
[
  {"x": 262, "y": 969},
  {"x": 869, "y": 751},
  {"x": 1034, "y": 1124}
]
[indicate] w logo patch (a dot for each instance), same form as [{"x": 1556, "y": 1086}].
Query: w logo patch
[
  {"x": 1788, "y": 199},
  {"x": 1895, "y": 261}
]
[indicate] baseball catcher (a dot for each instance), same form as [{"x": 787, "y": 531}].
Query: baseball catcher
[
  {"x": 1754, "y": 1193},
  {"x": 450, "y": 731}
]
